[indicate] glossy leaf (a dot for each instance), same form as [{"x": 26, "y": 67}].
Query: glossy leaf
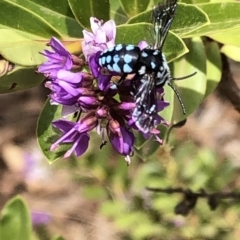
[
  {"x": 27, "y": 21},
  {"x": 232, "y": 52},
  {"x": 45, "y": 132},
  {"x": 135, "y": 7},
  {"x": 214, "y": 66},
  {"x": 223, "y": 16},
  {"x": 19, "y": 79},
  {"x": 64, "y": 24},
  {"x": 85, "y": 9},
  {"x": 192, "y": 89},
  {"x": 20, "y": 50},
  {"x": 117, "y": 13},
  {"x": 173, "y": 48},
  {"x": 15, "y": 221},
  {"x": 62, "y": 6},
  {"x": 187, "y": 19},
  {"x": 133, "y": 34},
  {"x": 231, "y": 37}
]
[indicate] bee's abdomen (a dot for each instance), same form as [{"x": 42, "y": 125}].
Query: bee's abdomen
[{"x": 121, "y": 58}]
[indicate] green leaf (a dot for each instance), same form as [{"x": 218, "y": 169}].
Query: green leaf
[
  {"x": 214, "y": 66},
  {"x": 132, "y": 8},
  {"x": 19, "y": 79},
  {"x": 27, "y": 21},
  {"x": 64, "y": 24},
  {"x": 232, "y": 52},
  {"x": 117, "y": 13},
  {"x": 190, "y": 18},
  {"x": 62, "y": 6},
  {"x": 139, "y": 140},
  {"x": 231, "y": 37},
  {"x": 223, "y": 17},
  {"x": 134, "y": 33},
  {"x": 191, "y": 90},
  {"x": 57, "y": 238},
  {"x": 147, "y": 149},
  {"x": 15, "y": 221},
  {"x": 167, "y": 113},
  {"x": 85, "y": 9},
  {"x": 45, "y": 132},
  {"x": 187, "y": 19},
  {"x": 174, "y": 47},
  {"x": 17, "y": 46}
]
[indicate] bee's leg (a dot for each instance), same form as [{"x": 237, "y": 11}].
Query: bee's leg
[{"x": 123, "y": 77}]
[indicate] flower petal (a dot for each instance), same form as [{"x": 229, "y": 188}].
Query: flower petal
[{"x": 82, "y": 145}]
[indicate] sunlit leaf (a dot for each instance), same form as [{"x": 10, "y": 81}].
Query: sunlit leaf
[
  {"x": 232, "y": 52},
  {"x": 27, "y": 21},
  {"x": 187, "y": 19},
  {"x": 192, "y": 90},
  {"x": 132, "y": 8},
  {"x": 223, "y": 16},
  {"x": 231, "y": 37},
  {"x": 59, "y": 15},
  {"x": 19, "y": 79},
  {"x": 85, "y": 9},
  {"x": 15, "y": 222},
  {"x": 20, "y": 50},
  {"x": 117, "y": 13},
  {"x": 214, "y": 66}
]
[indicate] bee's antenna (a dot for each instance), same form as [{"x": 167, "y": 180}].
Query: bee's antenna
[
  {"x": 184, "y": 77},
  {"x": 176, "y": 91},
  {"x": 178, "y": 96}
]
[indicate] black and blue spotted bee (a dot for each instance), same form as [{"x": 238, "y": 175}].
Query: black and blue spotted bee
[{"x": 149, "y": 65}]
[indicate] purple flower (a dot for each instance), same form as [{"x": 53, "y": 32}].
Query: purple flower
[
  {"x": 102, "y": 37},
  {"x": 68, "y": 87},
  {"x": 88, "y": 102},
  {"x": 143, "y": 44},
  {"x": 75, "y": 133},
  {"x": 121, "y": 139},
  {"x": 40, "y": 218},
  {"x": 57, "y": 59},
  {"x": 60, "y": 95}
]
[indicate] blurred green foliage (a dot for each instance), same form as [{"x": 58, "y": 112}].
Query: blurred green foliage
[
  {"x": 120, "y": 193},
  {"x": 141, "y": 214}
]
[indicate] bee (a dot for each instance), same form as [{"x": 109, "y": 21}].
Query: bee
[{"x": 149, "y": 65}]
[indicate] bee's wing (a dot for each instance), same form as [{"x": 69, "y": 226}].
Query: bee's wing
[
  {"x": 163, "y": 14},
  {"x": 146, "y": 102}
]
